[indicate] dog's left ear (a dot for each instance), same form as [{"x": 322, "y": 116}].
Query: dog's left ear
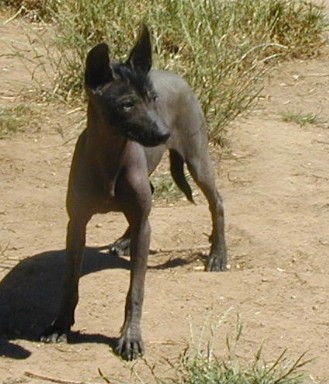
[
  {"x": 98, "y": 71},
  {"x": 140, "y": 58}
]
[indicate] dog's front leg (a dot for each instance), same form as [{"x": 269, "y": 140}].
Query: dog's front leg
[
  {"x": 130, "y": 344},
  {"x": 75, "y": 242}
]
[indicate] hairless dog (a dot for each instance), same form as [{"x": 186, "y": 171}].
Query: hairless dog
[{"x": 134, "y": 115}]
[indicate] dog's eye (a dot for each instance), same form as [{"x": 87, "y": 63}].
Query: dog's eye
[
  {"x": 126, "y": 106},
  {"x": 154, "y": 97}
]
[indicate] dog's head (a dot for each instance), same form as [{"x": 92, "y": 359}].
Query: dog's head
[{"x": 123, "y": 93}]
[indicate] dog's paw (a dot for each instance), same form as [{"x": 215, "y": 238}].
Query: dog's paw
[
  {"x": 120, "y": 248},
  {"x": 129, "y": 348},
  {"x": 216, "y": 263},
  {"x": 54, "y": 335}
]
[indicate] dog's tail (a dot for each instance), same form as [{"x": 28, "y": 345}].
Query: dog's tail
[{"x": 177, "y": 172}]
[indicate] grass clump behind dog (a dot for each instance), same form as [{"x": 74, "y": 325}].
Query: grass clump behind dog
[
  {"x": 13, "y": 118},
  {"x": 222, "y": 48}
]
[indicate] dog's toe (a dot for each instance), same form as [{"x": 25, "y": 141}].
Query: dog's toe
[
  {"x": 129, "y": 350},
  {"x": 216, "y": 264},
  {"x": 54, "y": 338},
  {"x": 117, "y": 250},
  {"x": 52, "y": 335}
]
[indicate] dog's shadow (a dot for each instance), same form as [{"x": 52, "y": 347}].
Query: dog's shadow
[
  {"x": 31, "y": 291},
  {"x": 30, "y": 294}
]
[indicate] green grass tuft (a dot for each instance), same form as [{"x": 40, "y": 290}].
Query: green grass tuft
[
  {"x": 200, "y": 369},
  {"x": 302, "y": 119},
  {"x": 198, "y": 363},
  {"x": 15, "y": 118}
]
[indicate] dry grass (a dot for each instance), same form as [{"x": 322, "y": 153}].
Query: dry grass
[
  {"x": 17, "y": 118},
  {"x": 223, "y": 48}
]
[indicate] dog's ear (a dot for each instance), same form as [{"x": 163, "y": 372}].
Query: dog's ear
[
  {"x": 140, "y": 58},
  {"x": 98, "y": 71}
]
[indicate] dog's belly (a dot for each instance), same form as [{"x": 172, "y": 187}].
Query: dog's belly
[
  {"x": 107, "y": 204},
  {"x": 105, "y": 208},
  {"x": 92, "y": 203}
]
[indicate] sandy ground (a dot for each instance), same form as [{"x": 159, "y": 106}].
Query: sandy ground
[{"x": 275, "y": 183}]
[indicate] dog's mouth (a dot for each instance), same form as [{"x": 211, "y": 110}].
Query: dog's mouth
[{"x": 149, "y": 140}]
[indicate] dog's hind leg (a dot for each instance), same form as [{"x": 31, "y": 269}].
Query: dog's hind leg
[
  {"x": 202, "y": 172},
  {"x": 121, "y": 247},
  {"x": 75, "y": 242}
]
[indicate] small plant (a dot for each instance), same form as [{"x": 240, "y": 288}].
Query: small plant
[
  {"x": 200, "y": 368},
  {"x": 198, "y": 364},
  {"x": 301, "y": 118},
  {"x": 14, "y": 118}
]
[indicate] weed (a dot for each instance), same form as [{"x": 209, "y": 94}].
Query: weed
[
  {"x": 14, "y": 118},
  {"x": 198, "y": 364},
  {"x": 199, "y": 369},
  {"x": 301, "y": 118}
]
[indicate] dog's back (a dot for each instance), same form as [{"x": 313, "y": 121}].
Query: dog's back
[{"x": 180, "y": 109}]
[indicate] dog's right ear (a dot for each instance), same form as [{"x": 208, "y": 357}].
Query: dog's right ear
[
  {"x": 98, "y": 70},
  {"x": 140, "y": 58}
]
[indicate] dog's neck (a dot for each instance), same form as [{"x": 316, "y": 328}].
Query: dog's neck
[{"x": 107, "y": 148}]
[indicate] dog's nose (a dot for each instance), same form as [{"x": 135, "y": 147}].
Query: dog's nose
[{"x": 164, "y": 136}]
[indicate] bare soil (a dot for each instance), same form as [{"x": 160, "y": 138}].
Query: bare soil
[{"x": 275, "y": 182}]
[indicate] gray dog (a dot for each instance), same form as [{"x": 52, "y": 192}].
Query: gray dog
[{"x": 134, "y": 115}]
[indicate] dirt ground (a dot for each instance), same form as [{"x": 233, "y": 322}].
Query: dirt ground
[{"x": 275, "y": 184}]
